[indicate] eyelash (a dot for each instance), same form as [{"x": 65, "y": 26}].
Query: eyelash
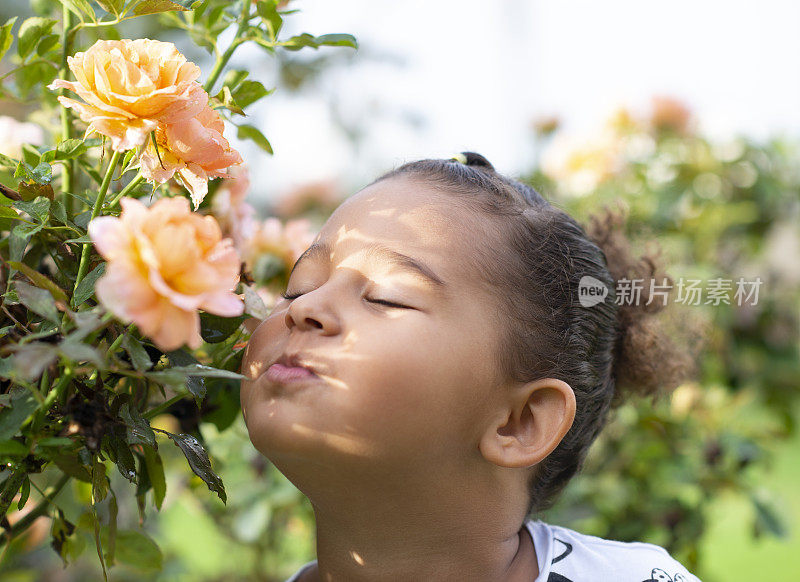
[{"x": 379, "y": 301}]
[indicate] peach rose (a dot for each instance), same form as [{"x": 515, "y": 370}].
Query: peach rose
[
  {"x": 164, "y": 263},
  {"x": 194, "y": 148},
  {"x": 236, "y": 217},
  {"x": 129, "y": 86}
]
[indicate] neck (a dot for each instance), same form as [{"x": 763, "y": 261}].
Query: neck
[{"x": 431, "y": 535}]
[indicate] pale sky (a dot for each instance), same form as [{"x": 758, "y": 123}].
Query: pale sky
[{"x": 475, "y": 73}]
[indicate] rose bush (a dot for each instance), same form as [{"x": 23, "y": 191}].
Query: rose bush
[{"x": 119, "y": 301}]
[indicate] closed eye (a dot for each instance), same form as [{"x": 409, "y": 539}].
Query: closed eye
[{"x": 378, "y": 301}]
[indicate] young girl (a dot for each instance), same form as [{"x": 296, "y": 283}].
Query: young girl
[{"x": 434, "y": 376}]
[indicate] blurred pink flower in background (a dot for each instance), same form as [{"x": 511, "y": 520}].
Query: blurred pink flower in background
[
  {"x": 14, "y": 133},
  {"x": 194, "y": 149},
  {"x": 322, "y": 196},
  {"x": 236, "y": 217},
  {"x": 128, "y": 86},
  {"x": 286, "y": 242},
  {"x": 164, "y": 263}
]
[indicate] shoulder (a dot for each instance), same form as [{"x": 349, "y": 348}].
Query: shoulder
[{"x": 575, "y": 557}]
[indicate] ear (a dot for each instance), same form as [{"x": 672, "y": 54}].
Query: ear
[{"x": 535, "y": 418}]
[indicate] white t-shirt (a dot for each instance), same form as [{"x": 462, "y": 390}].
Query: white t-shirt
[{"x": 565, "y": 555}]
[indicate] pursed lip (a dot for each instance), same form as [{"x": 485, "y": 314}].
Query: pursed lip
[{"x": 294, "y": 361}]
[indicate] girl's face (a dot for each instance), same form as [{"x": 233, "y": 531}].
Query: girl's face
[{"x": 408, "y": 385}]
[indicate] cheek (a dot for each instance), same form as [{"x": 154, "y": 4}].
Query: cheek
[{"x": 408, "y": 378}]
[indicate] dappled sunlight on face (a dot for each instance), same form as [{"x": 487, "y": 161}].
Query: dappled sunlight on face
[{"x": 387, "y": 314}]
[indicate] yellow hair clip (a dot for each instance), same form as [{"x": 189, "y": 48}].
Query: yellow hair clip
[{"x": 460, "y": 158}]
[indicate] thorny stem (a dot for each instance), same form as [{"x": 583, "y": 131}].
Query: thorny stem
[
  {"x": 219, "y": 66},
  {"x": 126, "y": 190},
  {"x": 98, "y": 204},
  {"x": 66, "y": 116}
]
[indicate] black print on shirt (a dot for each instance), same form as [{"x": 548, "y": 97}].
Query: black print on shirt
[
  {"x": 659, "y": 575},
  {"x": 553, "y": 577},
  {"x": 567, "y": 551}
]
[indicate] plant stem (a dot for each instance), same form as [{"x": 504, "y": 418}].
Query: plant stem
[
  {"x": 67, "y": 179},
  {"x": 163, "y": 406},
  {"x": 126, "y": 190},
  {"x": 115, "y": 344},
  {"x": 98, "y": 204},
  {"x": 37, "y": 511},
  {"x": 244, "y": 19}
]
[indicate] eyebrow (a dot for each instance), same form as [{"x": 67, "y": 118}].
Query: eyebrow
[{"x": 378, "y": 250}]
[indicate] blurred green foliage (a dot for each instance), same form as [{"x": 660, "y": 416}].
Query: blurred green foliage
[{"x": 724, "y": 210}]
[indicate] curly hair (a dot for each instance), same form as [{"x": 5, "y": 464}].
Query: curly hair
[{"x": 603, "y": 351}]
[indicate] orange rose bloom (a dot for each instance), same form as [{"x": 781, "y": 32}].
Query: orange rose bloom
[
  {"x": 194, "y": 148},
  {"x": 164, "y": 263},
  {"x": 129, "y": 86}
]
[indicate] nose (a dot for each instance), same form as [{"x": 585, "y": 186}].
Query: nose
[{"x": 312, "y": 311}]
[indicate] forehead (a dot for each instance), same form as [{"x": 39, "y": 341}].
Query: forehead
[{"x": 410, "y": 217}]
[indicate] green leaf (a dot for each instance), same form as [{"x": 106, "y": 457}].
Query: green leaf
[
  {"x": 268, "y": 11},
  {"x": 134, "y": 548},
  {"x": 37, "y": 300},
  {"x": 199, "y": 462},
  {"x": 40, "y": 280},
  {"x": 124, "y": 458},
  {"x": 41, "y": 174},
  {"x": 33, "y": 190},
  {"x": 34, "y": 74},
  {"x": 80, "y": 8},
  {"x": 155, "y": 470},
  {"x": 66, "y": 150},
  {"x": 112, "y": 6},
  {"x": 139, "y": 358},
  {"x": 86, "y": 287},
  {"x": 30, "y": 32},
  {"x": 7, "y": 217},
  {"x": 32, "y": 358},
  {"x": 195, "y": 385},
  {"x": 13, "y": 417},
  {"x": 156, "y": 6},
  {"x": 22, "y": 233},
  {"x": 111, "y": 543},
  {"x": 81, "y": 239},
  {"x": 7, "y": 162},
  {"x": 47, "y": 44},
  {"x": 11, "y": 448},
  {"x": 255, "y": 135},
  {"x": 308, "y": 40},
  {"x": 225, "y": 98},
  {"x": 24, "y": 493},
  {"x": 80, "y": 352},
  {"x": 72, "y": 466},
  {"x": 99, "y": 481},
  {"x": 233, "y": 78},
  {"x": 215, "y": 328},
  {"x": 138, "y": 429},
  {"x": 768, "y": 518},
  {"x": 6, "y": 37},
  {"x": 206, "y": 372},
  {"x": 38, "y": 208},
  {"x": 248, "y": 92}
]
